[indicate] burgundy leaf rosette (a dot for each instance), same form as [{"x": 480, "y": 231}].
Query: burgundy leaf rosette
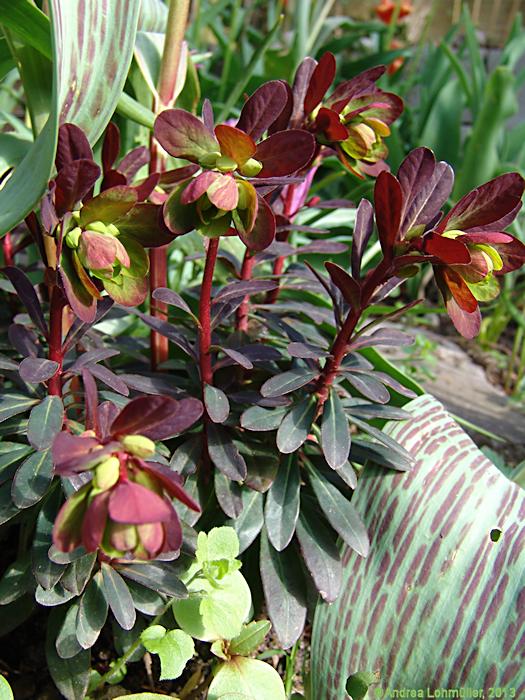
[
  {"x": 125, "y": 511},
  {"x": 468, "y": 247},
  {"x": 223, "y": 196},
  {"x": 101, "y": 239}
]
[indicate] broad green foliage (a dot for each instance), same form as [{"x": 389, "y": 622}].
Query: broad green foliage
[
  {"x": 78, "y": 63},
  {"x": 437, "y": 602},
  {"x": 220, "y": 599}
]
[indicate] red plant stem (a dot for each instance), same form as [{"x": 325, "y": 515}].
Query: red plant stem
[
  {"x": 206, "y": 367},
  {"x": 248, "y": 264},
  {"x": 205, "y": 313},
  {"x": 169, "y": 67},
  {"x": 54, "y": 386},
  {"x": 7, "y": 249},
  {"x": 339, "y": 348},
  {"x": 277, "y": 271}
]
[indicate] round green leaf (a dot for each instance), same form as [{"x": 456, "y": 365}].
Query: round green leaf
[
  {"x": 214, "y": 611},
  {"x": 246, "y": 678}
]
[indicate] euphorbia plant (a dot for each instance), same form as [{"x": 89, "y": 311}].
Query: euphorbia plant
[
  {"x": 264, "y": 413},
  {"x": 125, "y": 510}
]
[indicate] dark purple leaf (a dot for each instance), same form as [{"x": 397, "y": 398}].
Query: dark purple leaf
[
  {"x": 349, "y": 288},
  {"x": 216, "y": 403},
  {"x": 155, "y": 576},
  {"x": 90, "y": 357},
  {"x": 364, "y": 226},
  {"x": 388, "y": 199},
  {"x": 259, "y": 181},
  {"x": 110, "y": 146},
  {"x": 183, "y": 135},
  {"x": 321, "y": 79},
  {"x": 229, "y": 495},
  {"x": 495, "y": 202},
  {"x": 300, "y": 87},
  {"x": 109, "y": 378},
  {"x": 260, "y": 353},
  {"x": 323, "y": 247},
  {"x": 78, "y": 329},
  {"x": 207, "y": 115},
  {"x": 284, "y": 590},
  {"x": 236, "y": 290},
  {"x": 168, "y": 330},
  {"x": 448, "y": 250},
  {"x": 118, "y": 597},
  {"x": 133, "y": 162},
  {"x": 306, "y": 351},
  {"x": 23, "y": 340},
  {"x": 237, "y": 357},
  {"x": 320, "y": 553},
  {"x": 27, "y": 295},
  {"x": 72, "y": 184},
  {"x": 340, "y": 513},
  {"x": 426, "y": 186},
  {"x": 157, "y": 417},
  {"x": 91, "y": 403},
  {"x": 224, "y": 454},
  {"x": 395, "y": 385},
  {"x": 151, "y": 385},
  {"x": 72, "y": 145},
  {"x": 286, "y": 382},
  {"x": 145, "y": 187},
  {"x": 285, "y": 152},
  {"x": 168, "y": 296},
  {"x": 172, "y": 482},
  {"x": 283, "y": 120},
  {"x": 262, "y": 108},
  {"x": 296, "y": 425},
  {"x": 258, "y": 418},
  {"x": 282, "y": 504},
  {"x": 36, "y": 369},
  {"x": 369, "y": 387},
  {"x": 383, "y": 336},
  {"x": 334, "y": 204},
  {"x": 171, "y": 177},
  {"x": 263, "y": 232},
  {"x": 71, "y": 451},
  {"x": 107, "y": 412},
  {"x": 335, "y": 432}
]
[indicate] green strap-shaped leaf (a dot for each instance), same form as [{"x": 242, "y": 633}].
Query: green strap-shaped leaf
[
  {"x": 32, "y": 479},
  {"x": 438, "y": 603},
  {"x": 282, "y": 504},
  {"x": 340, "y": 513},
  {"x": 296, "y": 425},
  {"x": 283, "y": 585},
  {"x": 92, "y": 613},
  {"x": 45, "y": 422},
  {"x": 89, "y": 40},
  {"x": 13, "y": 404},
  {"x": 250, "y": 521},
  {"x": 335, "y": 432},
  {"x": 66, "y": 642},
  {"x": 71, "y": 676},
  {"x": 46, "y": 572},
  {"x": 320, "y": 553},
  {"x": 118, "y": 596}
]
